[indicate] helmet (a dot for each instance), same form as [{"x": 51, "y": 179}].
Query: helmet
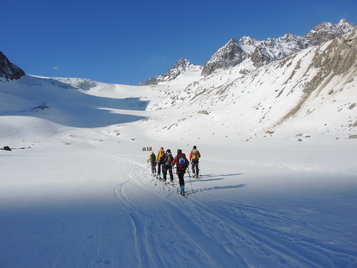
[{"x": 194, "y": 147}]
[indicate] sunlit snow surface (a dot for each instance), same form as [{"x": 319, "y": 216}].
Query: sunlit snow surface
[{"x": 76, "y": 189}]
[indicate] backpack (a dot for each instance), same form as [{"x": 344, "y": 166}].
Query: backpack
[
  {"x": 182, "y": 162},
  {"x": 168, "y": 159},
  {"x": 195, "y": 154},
  {"x": 161, "y": 156},
  {"x": 152, "y": 158}
]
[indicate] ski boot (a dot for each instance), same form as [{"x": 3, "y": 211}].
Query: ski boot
[{"x": 182, "y": 189}]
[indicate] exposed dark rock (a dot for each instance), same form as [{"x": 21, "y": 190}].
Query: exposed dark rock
[
  {"x": 9, "y": 70},
  {"x": 228, "y": 56}
]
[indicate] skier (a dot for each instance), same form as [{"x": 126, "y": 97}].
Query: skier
[
  {"x": 194, "y": 158},
  {"x": 167, "y": 165},
  {"x": 152, "y": 161},
  {"x": 160, "y": 160},
  {"x": 181, "y": 165}
]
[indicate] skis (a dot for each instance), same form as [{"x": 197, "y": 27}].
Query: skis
[
  {"x": 168, "y": 184},
  {"x": 181, "y": 193}
]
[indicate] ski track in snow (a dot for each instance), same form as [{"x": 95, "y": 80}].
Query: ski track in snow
[
  {"x": 237, "y": 235},
  {"x": 147, "y": 223}
]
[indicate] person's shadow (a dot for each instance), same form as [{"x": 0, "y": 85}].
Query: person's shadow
[{"x": 214, "y": 177}]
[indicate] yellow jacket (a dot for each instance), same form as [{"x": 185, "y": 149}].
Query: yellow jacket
[{"x": 160, "y": 154}]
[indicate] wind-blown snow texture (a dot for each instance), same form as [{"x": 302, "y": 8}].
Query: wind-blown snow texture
[{"x": 76, "y": 190}]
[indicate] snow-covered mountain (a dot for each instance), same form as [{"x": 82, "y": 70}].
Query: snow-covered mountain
[
  {"x": 299, "y": 88},
  {"x": 313, "y": 90},
  {"x": 263, "y": 52},
  {"x": 253, "y": 53}
]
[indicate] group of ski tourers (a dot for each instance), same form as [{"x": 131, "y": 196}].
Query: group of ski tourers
[{"x": 165, "y": 162}]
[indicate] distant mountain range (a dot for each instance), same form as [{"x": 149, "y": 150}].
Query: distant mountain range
[
  {"x": 280, "y": 85},
  {"x": 256, "y": 53}
]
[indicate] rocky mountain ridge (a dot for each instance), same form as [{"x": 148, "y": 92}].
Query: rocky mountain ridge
[{"x": 260, "y": 53}]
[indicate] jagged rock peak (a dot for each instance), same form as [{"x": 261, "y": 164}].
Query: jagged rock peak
[
  {"x": 9, "y": 70},
  {"x": 181, "y": 66},
  {"x": 326, "y": 31},
  {"x": 345, "y": 26},
  {"x": 342, "y": 27},
  {"x": 231, "y": 54},
  {"x": 248, "y": 41},
  {"x": 273, "y": 49}
]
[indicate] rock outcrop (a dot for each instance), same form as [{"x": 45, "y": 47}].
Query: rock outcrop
[{"x": 8, "y": 70}]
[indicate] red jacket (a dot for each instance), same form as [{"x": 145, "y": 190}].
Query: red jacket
[{"x": 181, "y": 168}]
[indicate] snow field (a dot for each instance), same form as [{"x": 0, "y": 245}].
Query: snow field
[{"x": 76, "y": 189}]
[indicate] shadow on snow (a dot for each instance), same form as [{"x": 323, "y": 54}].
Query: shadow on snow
[
  {"x": 66, "y": 105},
  {"x": 230, "y": 187},
  {"x": 214, "y": 177}
]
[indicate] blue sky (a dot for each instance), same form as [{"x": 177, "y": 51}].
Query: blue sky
[{"x": 130, "y": 41}]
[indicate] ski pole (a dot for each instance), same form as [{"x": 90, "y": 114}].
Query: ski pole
[
  {"x": 189, "y": 175},
  {"x": 191, "y": 183},
  {"x": 199, "y": 170}
]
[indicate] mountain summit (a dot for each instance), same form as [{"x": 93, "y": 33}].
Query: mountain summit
[
  {"x": 326, "y": 31},
  {"x": 232, "y": 54},
  {"x": 180, "y": 67}
]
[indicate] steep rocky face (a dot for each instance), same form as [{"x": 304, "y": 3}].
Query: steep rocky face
[
  {"x": 228, "y": 56},
  {"x": 180, "y": 67},
  {"x": 274, "y": 49},
  {"x": 338, "y": 59},
  {"x": 9, "y": 70}
]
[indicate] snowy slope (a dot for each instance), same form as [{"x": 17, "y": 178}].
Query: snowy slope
[
  {"x": 76, "y": 190},
  {"x": 311, "y": 91}
]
